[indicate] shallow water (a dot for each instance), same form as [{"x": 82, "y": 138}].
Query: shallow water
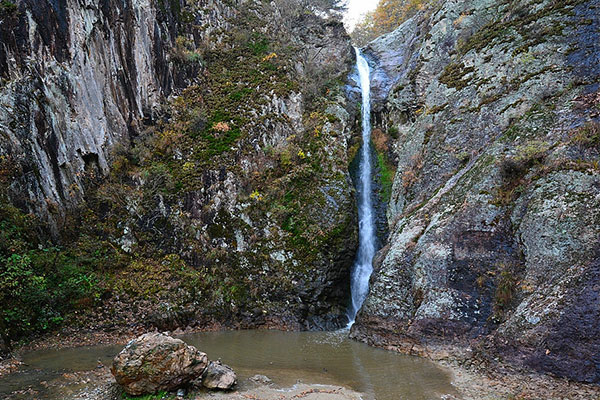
[{"x": 285, "y": 357}]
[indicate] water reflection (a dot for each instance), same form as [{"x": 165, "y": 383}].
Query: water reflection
[{"x": 285, "y": 357}]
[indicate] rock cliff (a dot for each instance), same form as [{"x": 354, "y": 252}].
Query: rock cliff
[
  {"x": 78, "y": 77},
  {"x": 495, "y": 208},
  {"x": 190, "y": 160}
]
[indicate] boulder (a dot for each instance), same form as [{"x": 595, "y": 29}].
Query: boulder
[
  {"x": 154, "y": 362},
  {"x": 218, "y": 376}
]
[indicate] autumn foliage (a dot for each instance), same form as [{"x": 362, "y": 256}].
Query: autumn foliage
[{"x": 388, "y": 15}]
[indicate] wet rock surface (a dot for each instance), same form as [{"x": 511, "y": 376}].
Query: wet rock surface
[
  {"x": 261, "y": 379},
  {"x": 299, "y": 391},
  {"x": 494, "y": 209},
  {"x": 155, "y": 362}
]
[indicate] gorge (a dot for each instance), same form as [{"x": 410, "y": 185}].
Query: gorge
[{"x": 215, "y": 165}]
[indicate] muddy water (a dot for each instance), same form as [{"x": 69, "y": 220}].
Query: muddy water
[{"x": 285, "y": 357}]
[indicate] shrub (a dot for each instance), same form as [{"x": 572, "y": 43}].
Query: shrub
[
  {"x": 258, "y": 44},
  {"x": 184, "y": 51},
  {"x": 255, "y": 195},
  {"x": 7, "y": 7},
  {"x": 386, "y": 17},
  {"x": 9, "y": 168},
  {"x": 512, "y": 169},
  {"x": 38, "y": 289},
  {"x": 221, "y": 127},
  {"x": 506, "y": 288},
  {"x": 587, "y": 135},
  {"x": 410, "y": 175},
  {"x": 24, "y": 296},
  {"x": 41, "y": 285}
]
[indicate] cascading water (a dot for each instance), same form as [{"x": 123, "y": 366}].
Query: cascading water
[{"x": 363, "y": 265}]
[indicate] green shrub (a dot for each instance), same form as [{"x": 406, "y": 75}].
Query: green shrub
[
  {"x": 7, "y": 7},
  {"x": 41, "y": 285},
  {"x": 258, "y": 44},
  {"x": 162, "y": 395},
  {"x": 184, "y": 51},
  {"x": 24, "y": 296},
  {"x": 240, "y": 94},
  {"x": 38, "y": 288}
]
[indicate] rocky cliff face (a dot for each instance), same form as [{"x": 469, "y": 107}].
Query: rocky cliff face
[
  {"x": 494, "y": 214},
  {"x": 204, "y": 145},
  {"x": 78, "y": 78}
]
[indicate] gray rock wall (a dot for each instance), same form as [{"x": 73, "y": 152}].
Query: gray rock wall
[
  {"x": 81, "y": 76},
  {"x": 78, "y": 78},
  {"x": 231, "y": 132},
  {"x": 494, "y": 214}
]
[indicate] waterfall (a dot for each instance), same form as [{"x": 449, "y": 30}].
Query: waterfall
[{"x": 363, "y": 265}]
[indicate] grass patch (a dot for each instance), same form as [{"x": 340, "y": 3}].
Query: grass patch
[
  {"x": 258, "y": 44},
  {"x": 386, "y": 176},
  {"x": 7, "y": 7},
  {"x": 587, "y": 135},
  {"x": 162, "y": 395},
  {"x": 454, "y": 75},
  {"x": 504, "y": 295}
]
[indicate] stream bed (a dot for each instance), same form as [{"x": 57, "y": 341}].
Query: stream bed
[{"x": 285, "y": 357}]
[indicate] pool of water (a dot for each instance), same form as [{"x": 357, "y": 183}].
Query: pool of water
[{"x": 285, "y": 357}]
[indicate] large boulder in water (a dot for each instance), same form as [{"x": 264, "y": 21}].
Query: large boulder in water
[{"x": 154, "y": 362}]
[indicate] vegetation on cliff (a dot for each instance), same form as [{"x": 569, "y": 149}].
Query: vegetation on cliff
[
  {"x": 386, "y": 17},
  {"x": 235, "y": 207}
]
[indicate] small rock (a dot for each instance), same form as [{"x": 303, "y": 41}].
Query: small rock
[
  {"x": 178, "y": 332},
  {"x": 218, "y": 376},
  {"x": 261, "y": 379}
]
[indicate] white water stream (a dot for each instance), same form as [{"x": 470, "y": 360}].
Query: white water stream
[{"x": 363, "y": 265}]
